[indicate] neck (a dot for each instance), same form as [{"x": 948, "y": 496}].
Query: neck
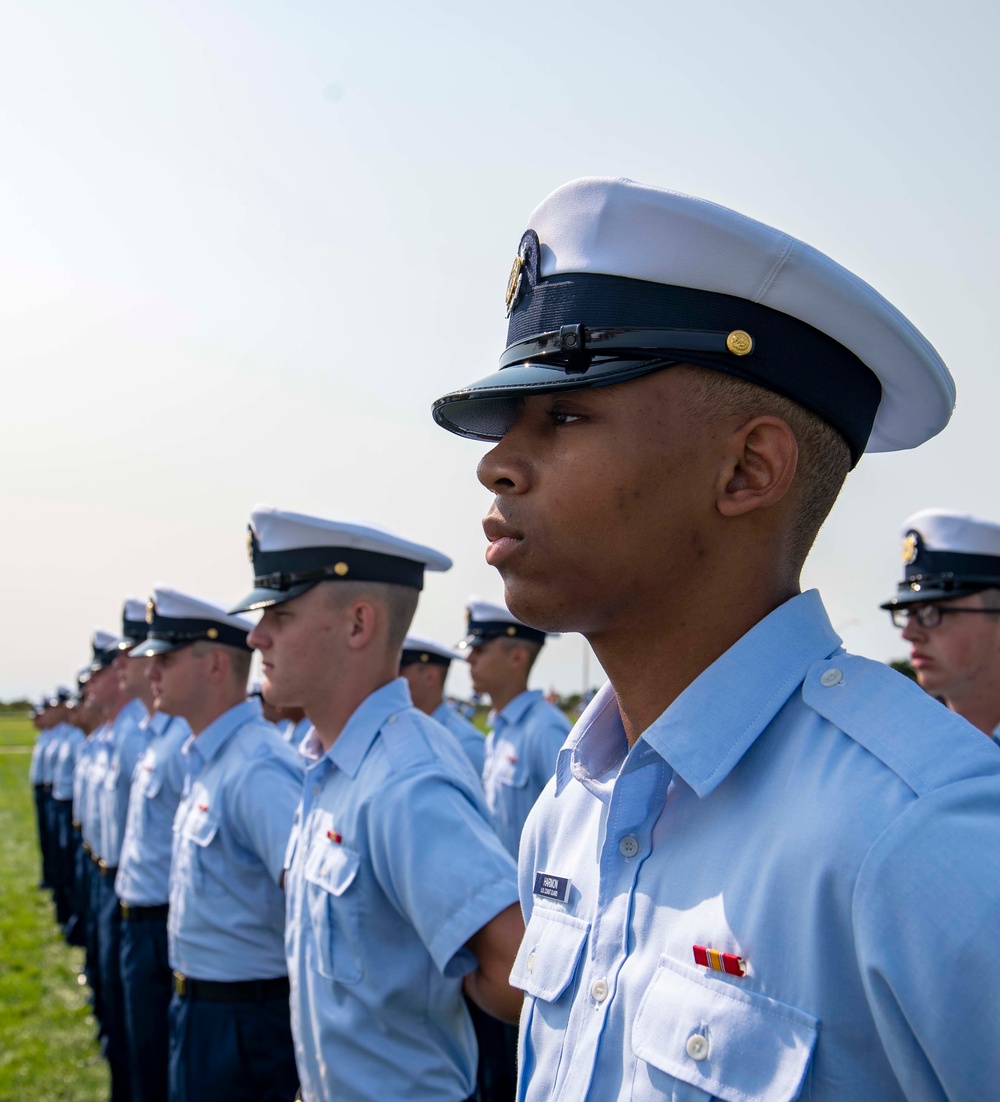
[
  {"x": 502, "y": 697},
  {"x": 330, "y": 714},
  {"x": 200, "y": 718},
  {"x": 983, "y": 712},
  {"x": 113, "y": 710},
  {"x": 650, "y": 660}
]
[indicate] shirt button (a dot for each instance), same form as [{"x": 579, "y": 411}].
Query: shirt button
[
  {"x": 628, "y": 846},
  {"x": 829, "y": 678},
  {"x": 697, "y": 1047},
  {"x": 531, "y": 961},
  {"x": 599, "y": 989}
]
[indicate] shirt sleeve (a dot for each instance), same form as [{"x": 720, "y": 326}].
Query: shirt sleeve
[
  {"x": 440, "y": 864},
  {"x": 264, "y": 803},
  {"x": 926, "y": 915}
]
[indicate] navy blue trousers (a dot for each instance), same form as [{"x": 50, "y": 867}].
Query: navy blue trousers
[
  {"x": 147, "y": 984},
  {"x": 109, "y": 920},
  {"x": 65, "y": 866},
  {"x": 231, "y": 1052},
  {"x": 496, "y": 1076},
  {"x": 42, "y": 836},
  {"x": 48, "y": 839},
  {"x": 92, "y": 888}
]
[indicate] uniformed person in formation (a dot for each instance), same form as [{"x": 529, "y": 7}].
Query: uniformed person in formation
[
  {"x": 526, "y": 730},
  {"x": 755, "y": 874},
  {"x": 230, "y": 1036},
  {"x": 118, "y": 744},
  {"x": 400, "y": 896},
  {"x": 948, "y": 605},
  {"x": 143, "y": 881},
  {"x": 424, "y": 663}
]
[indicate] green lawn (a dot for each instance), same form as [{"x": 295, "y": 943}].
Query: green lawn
[{"x": 47, "y": 1047}]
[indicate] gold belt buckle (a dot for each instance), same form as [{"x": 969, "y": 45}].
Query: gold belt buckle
[
  {"x": 180, "y": 984},
  {"x": 125, "y": 910}
]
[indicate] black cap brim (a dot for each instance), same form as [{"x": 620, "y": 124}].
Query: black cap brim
[
  {"x": 264, "y": 598},
  {"x": 912, "y": 597},
  {"x": 486, "y": 409}
]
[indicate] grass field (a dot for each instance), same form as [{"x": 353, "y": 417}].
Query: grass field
[{"x": 47, "y": 1047}]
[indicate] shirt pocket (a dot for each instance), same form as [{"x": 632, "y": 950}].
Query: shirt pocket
[
  {"x": 198, "y": 831},
  {"x": 509, "y": 768},
  {"x": 334, "y": 911},
  {"x": 698, "y": 1037},
  {"x": 545, "y": 969}
]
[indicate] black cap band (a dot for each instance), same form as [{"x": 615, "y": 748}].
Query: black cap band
[
  {"x": 181, "y": 630},
  {"x": 423, "y": 658},
  {"x": 482, "y": 631},
  {"x": 308, "y": 565}
]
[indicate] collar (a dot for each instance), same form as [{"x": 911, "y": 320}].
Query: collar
[
  {"x": 133, "y": 712},
  {"x": 718, "y": 717},
  {"x": 370, "y": 716},
  {"x": 516, "y": 709},
  {"x": 218, "y": 732}
]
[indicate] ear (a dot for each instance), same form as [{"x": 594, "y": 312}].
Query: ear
[
  {"x": 363, "y": 618},
  {"x": 761, "y": 457},
  {"x": 218, "y": 666}
]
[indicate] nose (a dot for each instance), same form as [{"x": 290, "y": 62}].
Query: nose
[
  {"x": 258, "y": 638},
  {"x": 505, "y": 468},
  {"x": 913, "y": 631}
]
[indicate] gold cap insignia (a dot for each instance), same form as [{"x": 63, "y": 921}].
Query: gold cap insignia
[
  {"x": 739, "y": 343},
  {"x": 513, "y": 283},
  {"x": 512, "y": 630},
  {"x": 910, "y": 548},
  {"x": 425, "y": 658},
  {"x": 341, "y": 569},
  {"x": 150, "y": 609},
  {"x": 212, "y": 633}
]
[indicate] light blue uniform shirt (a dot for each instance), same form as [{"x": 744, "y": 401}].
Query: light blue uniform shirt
[
  {"x": 37, "y": 753},
  {"x": 294, "y": 733},
  {"x": 103, "y": 744},
  {"x": 227, "y": 912},
  {"x": 816, "y": 815},
  {"x": 392, "y": 867},
  {"x": 521, "y": 755},
  {"x": 47, "y": 766},
  {"x": 80, "y": 775},
  {"x": 128, "y": 744},
  {"x": 471, "y": 740},
  {"x": 143, "y": 878},
  {"x": 71, "y": 743}
]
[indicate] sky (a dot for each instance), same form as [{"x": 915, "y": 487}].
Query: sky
[{"x": 244, "y": 246}]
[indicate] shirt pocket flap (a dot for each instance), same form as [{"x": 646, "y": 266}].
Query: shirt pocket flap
[
  {"x": 547, "y": 960},
  {"x": 151, "y": 785},
  {"x": 734, "y": 1044},
  {"x": 200, "y": 829},
  {"x": 332, "y": 867}
]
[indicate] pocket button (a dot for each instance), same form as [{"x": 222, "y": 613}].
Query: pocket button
[{"x": 697, "y": 1047}]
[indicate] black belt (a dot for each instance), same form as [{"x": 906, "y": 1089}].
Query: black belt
[
  {"x": 46, "y": 787},
  {"x": 239, "y": 991},
  {"x": 144, "y": 914},
  {"x": 106, "y": 869}
]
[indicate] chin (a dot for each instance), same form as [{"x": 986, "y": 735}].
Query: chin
[{"x": 543, "y": 606}]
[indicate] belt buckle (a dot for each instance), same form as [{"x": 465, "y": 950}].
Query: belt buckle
[
  {"x": 180, "y": 984},
  {"x": 126, "y": 910}
]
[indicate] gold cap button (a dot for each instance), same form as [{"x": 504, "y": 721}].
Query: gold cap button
[
  {"x": 341, "y": 569},
  {"x": 739, "y": 343}
]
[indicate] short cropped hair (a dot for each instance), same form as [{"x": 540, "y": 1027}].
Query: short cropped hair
[
  {"x": 824, "y": 455},
  {"x": 239, "y": 659},
  {"x": 533, "y": 649},
  {"x": 399, "y": 602}
]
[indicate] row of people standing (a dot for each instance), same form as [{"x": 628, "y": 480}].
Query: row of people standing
[{"x": 401, "y": 930}]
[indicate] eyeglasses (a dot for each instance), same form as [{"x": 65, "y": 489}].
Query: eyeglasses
[{"x": 929, "y": 616}]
